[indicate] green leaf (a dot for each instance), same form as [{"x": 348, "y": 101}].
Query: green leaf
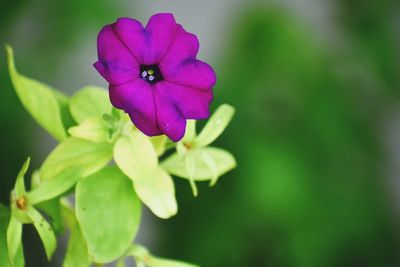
[
  {"x": 190, "y": 133},
  {"x": 135, "y": 155},
  {"x": 88, "y": 156},
  {"x": 4, "y": 257},
  {"x": 14, "y": 235},
  {"x": 190, "y": 164},
  {"x": 215, "y": 126},
  {"x": 54, "y": 187},
  {"x": 77, "y": 253},
  {"x": 52, "y": 209},
  {"x": 44, "y": 230},
  {"x": 93, "y": 129},
  {"x": 223, "y": 162},
  {"x": 159, "y": 143},
  {"x": 142, "y": 255},
  {"x": 39, "y": 99},
  {"x": 20, "y": 182},
  {"x": 35, "y": 179},
  {"x": 157, "y": 192},
  {"x": 63, "y": 103},
  {"x": 108, "y": 212},
  {"x": 90, "y": 101}
]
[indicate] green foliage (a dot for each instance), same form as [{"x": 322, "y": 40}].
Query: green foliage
[
  {"x": 196, "y": 162},
  {"x": 44, "y": 230},
  {"x": 54, "y": 187},
  {"x": 37, "y": 97},
  {"x": 90, "y": 101},
  {"x": 93, "y": 129},
  {"x": 215, "y": 126},
  {"x": 20, "y": 181},
  {"x": 88, "y": 156},
  {"x": 157, "y": 191},
  {"x": 210, "y": 163},
  {"x": 108, "y": 212},
  {"x": 14, "y": 235},
  {"x": 77, "y": 253},
  {"x": 136, "y": 157},
  {"x": 5, "y": 250},
  {"x": 24, "y": 212}
]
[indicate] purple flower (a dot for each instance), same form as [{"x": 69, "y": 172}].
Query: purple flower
[{"x": 154, "y": 75}]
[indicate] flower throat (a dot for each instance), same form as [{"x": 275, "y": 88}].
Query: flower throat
[{"x": 151, "y": 73}]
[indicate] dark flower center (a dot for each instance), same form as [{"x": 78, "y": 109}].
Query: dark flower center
[{"x": 151, "y": 73}]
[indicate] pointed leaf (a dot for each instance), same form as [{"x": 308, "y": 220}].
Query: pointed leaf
[
  {"x": 44, "y": 230},
  {"x": 36, "y": 98},
  {"x": 108, "y": 212},
  {"x": 88, "y": 156},
  {"x": 223, "y": 160},
  {"x": 215, "y": 126},
  {"x": 20, "y": 182},
  {"x": 157, "y": 192},
  {"x": 63, "y": 104},
  {"x": 52, "y": 209},
  {"x": 14, "y": 235},
  {"x": 90, "y": 101},
  {"x": 93, "y": 129},
  {"x": 190, "y": 133},
  {"x": 4, "y": 257},
  {"x": 54, "y": 187}
]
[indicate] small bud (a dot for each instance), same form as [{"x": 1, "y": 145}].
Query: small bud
[{"x": 21, "y": 203}]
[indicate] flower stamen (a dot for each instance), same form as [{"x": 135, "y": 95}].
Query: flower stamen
[{"x": 151, "y": 73}]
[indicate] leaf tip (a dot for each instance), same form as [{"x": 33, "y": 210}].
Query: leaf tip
[{"x": 8, "y": 48}]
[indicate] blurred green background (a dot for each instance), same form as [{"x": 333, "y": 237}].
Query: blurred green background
[{"x": 316, "y": 85}]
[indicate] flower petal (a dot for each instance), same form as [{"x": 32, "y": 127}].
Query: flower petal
[
  {"x": 160, "y": 30},
  {"x": 115, "y": 64},
  {"x": 132, "y": 34},
  {"x": 169, "y": 118},
  {"x": 193, "y": 73},
  {"x": 136, "y": 98},
  {"x": 185, "y": 46},
  {"x": 115, "y": 98},
  {"x": 192, "y": 103},
  {"x": 148, "y": 45}
]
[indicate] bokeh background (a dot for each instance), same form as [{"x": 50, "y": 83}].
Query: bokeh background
[{"x": 316, "y": 85}]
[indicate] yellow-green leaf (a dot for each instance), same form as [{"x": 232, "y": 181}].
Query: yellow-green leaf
[
  {"x": 157, "y": 191},
  {"x": 222, "y": 160},
  {"x": 90, "y": 101},
  {"x": 93, "y": 129},
  {"x": 39, "y": 100},
  {"x": 135, "y": 155},
  {"x": 88, "y": 156},
  {"x": 44, "y": 230},
  {"x": 215, "y": 126}
]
